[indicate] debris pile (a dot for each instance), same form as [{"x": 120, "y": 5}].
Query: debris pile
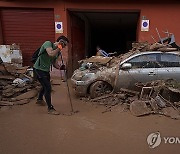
[
  {"x": 16, "y": 82},
  {"x": 157, "y": 97},
  {"x": 145, "y": 46},
  {"x": 165, "y": 44},
  {"x": 152, "y": 99},
  {"x": 96, "y": 62},
  {"x": 16, "y": 85},
  {"x": 138, "y": 47}
]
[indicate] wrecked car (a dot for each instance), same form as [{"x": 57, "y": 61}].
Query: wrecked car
[{"x": 126, "y": 72}]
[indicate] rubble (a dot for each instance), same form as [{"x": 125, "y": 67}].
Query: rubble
[
  {"x": 11, "y": 92},
  {"x": 27, "y": 95},
  {"x": 150, "y": 100},
  {"x": 16, "y": 84},
  {"x": 156, "y": 97},
  {"x": 106, "y": 68}
]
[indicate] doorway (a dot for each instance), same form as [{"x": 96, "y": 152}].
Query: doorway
[{"x": 112, "y": 31}]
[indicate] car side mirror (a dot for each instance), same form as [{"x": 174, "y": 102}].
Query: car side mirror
[{"x": 126, "y": 66}]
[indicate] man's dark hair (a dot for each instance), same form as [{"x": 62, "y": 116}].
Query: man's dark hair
[{"x": 63, "y": 38}]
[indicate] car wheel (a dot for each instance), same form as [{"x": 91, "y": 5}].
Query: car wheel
[{"x": 99, "y": 88}]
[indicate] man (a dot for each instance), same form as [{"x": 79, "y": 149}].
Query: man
[
  {"x": 48, "y": 56},
  {"x": 101, "y": 52}
]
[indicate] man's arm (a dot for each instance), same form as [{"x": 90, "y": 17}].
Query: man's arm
[{"x": 52, "y": 52}]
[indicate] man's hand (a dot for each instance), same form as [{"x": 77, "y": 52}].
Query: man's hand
[
  {"x": 60, "y": 46},
  {"x": 63, "y": 67}
]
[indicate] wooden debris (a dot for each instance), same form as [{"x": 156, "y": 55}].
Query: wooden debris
[
  {"x": 3, "y": 83},
  {"x": 3, "y": 70},
  {"x": 156, "y": 46},
  {"x": 177, "y": 104},
  {"x": 6, "y": 103},
  {"x": 22, "y": 70},
  {"x": 11, "y": 92},
  {"x": 98, "y": 59},
  {"x": 16, "y": 84},
  {"x": 171, "y": 112},
  {"x": 7, "y": 77},
  {"x": 21, "y": 102},
  {"x": 28, "y": 95},
  {"x": 101, "y": 97},
  {"x": 129, "y": 92},
  {"x": 8, "y": 87},
  {"x": 165, "y": 49}
]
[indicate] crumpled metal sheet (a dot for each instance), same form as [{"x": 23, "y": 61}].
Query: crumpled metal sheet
[
  {"x": 171, "y": 112},
  {"x": 160, "y": 102},
  {"x": 139, "y": 108}
]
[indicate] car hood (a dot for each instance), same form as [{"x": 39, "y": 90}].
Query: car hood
[{"x": 102, "y": 73}]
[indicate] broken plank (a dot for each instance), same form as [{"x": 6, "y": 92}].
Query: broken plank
[
  {"x": 28, "y": 95},
  {"x": 6, "y": 103}
]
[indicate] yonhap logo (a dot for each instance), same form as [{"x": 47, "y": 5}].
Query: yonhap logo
[{"x": 154, "y": 140}]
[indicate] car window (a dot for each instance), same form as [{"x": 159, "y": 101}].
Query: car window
[
  {"x": 169, "y": 60},
  {"x": 144, "y": 61}
]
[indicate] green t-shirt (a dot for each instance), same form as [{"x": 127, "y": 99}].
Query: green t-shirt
[{"x": 44, "y": 61}]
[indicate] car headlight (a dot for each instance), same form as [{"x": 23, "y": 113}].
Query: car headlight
[
  {"x": 88, "y": 76},
  {"x": 77, "y": 76}
]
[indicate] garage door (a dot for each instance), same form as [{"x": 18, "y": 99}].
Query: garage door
[{"x": 27, "y": 27}]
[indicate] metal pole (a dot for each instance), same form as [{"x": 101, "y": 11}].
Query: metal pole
[
  {"x": 159, "y": 36},
  {"x": 154, "y": 39},
  {"x": 65, "y": 74}
]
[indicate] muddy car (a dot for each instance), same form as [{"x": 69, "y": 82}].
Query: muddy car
[
  {"x": 140, "y": 67},
  {"x": 94, "y": 77}
]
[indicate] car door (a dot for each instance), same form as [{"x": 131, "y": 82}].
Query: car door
[
  {"x": 144, "y": 69},
  {"x": 170, "y": 66}
]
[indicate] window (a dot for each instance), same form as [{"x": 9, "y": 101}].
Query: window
[
  {"x": 170, "y": 60},
  {"x": 145, "y": 61}
]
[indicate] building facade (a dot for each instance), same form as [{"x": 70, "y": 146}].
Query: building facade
[{"x": 112, "y": 25}]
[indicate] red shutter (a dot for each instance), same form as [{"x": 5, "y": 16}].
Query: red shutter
[{"x": 29, "y": 28}]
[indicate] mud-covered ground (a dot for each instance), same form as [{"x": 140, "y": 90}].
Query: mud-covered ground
[{"x": 28, "y": 129}]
